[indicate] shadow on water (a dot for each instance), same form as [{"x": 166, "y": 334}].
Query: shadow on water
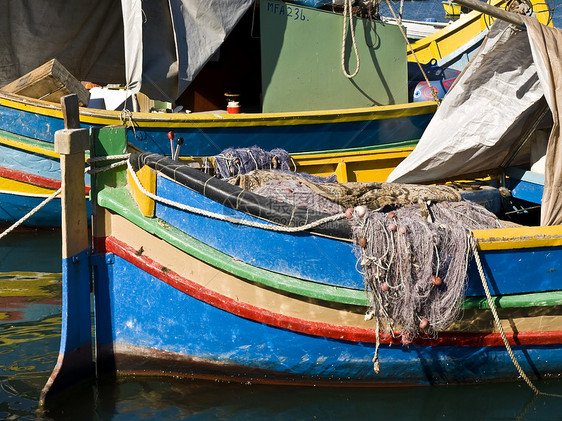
[
  {"x": 31, "y": 251},
  {"x": 202, "y": 400}
]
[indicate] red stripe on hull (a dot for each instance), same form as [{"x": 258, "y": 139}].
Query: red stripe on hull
[
  {"x": 36, "y": 180},
  {"x": 113, "y": 245}
]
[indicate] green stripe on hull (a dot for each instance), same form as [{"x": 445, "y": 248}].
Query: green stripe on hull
[
  {"x": 27, "y": 140},
  {"x": 120, "y": 201},
  {"x": 374, "y": 148}
]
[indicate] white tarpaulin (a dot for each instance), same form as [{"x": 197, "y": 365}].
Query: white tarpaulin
[
  {"x": 546, "y": 46},
  {"x": 491, "y": 104},
  {"x": 494, "y": 102}
]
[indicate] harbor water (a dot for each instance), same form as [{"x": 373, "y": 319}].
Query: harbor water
[{"x": 30, "y": 320}]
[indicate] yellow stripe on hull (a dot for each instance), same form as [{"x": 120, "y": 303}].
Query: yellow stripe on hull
[
  {"x": 452, "y": 37},
  {"x": 20, "y": 188},
  {"x": 204, "y": 120},
  {"x": 519, "y": 237}
]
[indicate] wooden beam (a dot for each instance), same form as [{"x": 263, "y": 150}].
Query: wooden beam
[{"x": 493, "y": 11}]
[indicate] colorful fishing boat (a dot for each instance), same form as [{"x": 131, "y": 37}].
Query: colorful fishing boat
[
  {"x": 283, "y": 279},
  {"x": 186, "y": 294},
  {"x": 29, "y": 167}
]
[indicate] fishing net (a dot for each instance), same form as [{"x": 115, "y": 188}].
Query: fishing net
[
  {"x": 232, "y": 162},
  {"x": 298, "y": 193},
  {"x": 413, "y": 248},
  {"x": 373, "y": 195},
  {"x": 414, "y": 262}
]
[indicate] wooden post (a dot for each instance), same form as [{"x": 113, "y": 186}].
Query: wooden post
[{"x": 75, "y": 361}]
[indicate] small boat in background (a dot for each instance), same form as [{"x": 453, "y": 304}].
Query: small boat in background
[
  {"x": 453, "y": 10},
  {"x": 295, "y": 111}
]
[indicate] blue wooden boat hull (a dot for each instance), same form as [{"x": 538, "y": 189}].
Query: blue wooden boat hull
[
  {"x": 27, "y": 128},
  {"x": 333, "y": 261},
  {"x": 173, "y": 299},
  {"x": 209, "y": 134},
  {"x": 202, "y": 336}
]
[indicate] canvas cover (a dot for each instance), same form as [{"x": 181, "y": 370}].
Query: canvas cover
[
  {"x": 176, "y": 39},
  {"x": 493, "y": 103},
  {"x": 157, "y": 46},
  {"x": 85, "y": 36},
  {"x": 546, "y": 46}
]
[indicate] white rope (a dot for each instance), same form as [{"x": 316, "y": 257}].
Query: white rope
[
  {"x": 108, "y": 158},
  {"x": 499, "y": 326},
  {"x": 225, "y": 218},
  {"x": 30, "y": 213},
  {"x": 347, "y": 6},
  {"x": 122, "y": 157},
  {"x": 56, "y": 193}
]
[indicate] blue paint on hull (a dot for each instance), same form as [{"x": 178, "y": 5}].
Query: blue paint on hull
[
  {"x": 293, "y": 138},
  {"x": 334, "y": 262},
  {"x": 212, "y": 140},
  {"x": 13, "y": 207},
  {"x": 149, "y": 313},
  {"x": 275, "y": 251},
  {"x": 76, "y": 332},
  {"x": 516, "y": 271},
  {"x": 31, "y": 163}
]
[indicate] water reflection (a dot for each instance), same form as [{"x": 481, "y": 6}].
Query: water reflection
[
  {"x": 30, "y": 307},
  {"x": 203, "y": 400}
]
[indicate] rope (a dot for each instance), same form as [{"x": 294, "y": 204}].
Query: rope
[
  {"x": 472, "y": 241},
  {"x": 431, "y": 87},
  {"x": 122, "y": 157},
  {"x": 347, "y": 8},
  {"x": 30, "y": 213},
  {"x": 126, "y": 118},
  {"x": 225, "y": 218},
  {"x": 56, "y": 193}
]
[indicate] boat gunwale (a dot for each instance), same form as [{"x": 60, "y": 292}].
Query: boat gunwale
[
  {"x": 320, "y": 329},
  {"x": 221, "y": 118}
]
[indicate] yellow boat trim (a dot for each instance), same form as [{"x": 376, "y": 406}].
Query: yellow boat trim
[
  {"x": 147, "y": 178},
  {"x": 20, "y": 188},
  {"x": 519, "y": 237},
  {"x": 210, "y": 119},
  {"x": 46, "y": 150},
  {"x": 447, "y": 40},
  {"x": 361, "y": 166},
  {"x": 331, "y": 157}
]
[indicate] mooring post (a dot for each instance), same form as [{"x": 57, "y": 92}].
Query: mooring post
[{"x": 74, "y": 363}]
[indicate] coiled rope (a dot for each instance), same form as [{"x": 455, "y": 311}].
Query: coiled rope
[
  {"x": 347, "y": 8},
  {"x": 499, "y": 326}
]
